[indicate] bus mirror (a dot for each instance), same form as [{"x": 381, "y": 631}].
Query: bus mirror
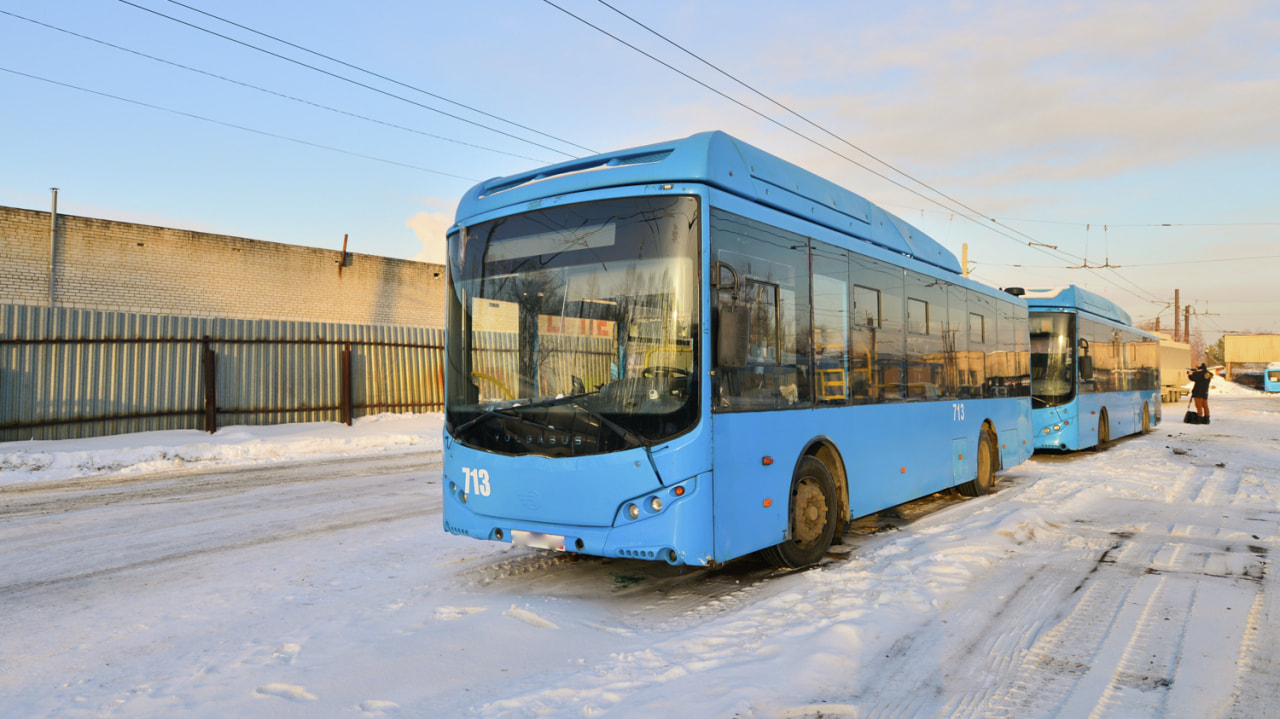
[
  {"x": 1086, "y": 367},
  {"x": 731, "y": 335}
]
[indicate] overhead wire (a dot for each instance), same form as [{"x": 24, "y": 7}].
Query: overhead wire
[
  {"x": 972, "y": 215},
  {"x": 380, "y": 76},
  {"x": 762, "y": 115},
  {"x": 808, "y": 121},
  {"x": 267, "y": 90},
  {"x": 344, "y": 78},
  {"x": 235, "y": 126}
]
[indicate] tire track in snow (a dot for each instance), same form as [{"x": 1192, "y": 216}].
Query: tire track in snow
[
  {"x": 40, "y": 499},
  {"x": 1146, "y": 639}
]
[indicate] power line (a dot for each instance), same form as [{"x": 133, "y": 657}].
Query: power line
[
  {"x": 264, "y": 133},
  {"x": 266, "y": 90},
  {"x": 1145, "y": 264},
  {"x": 345, "y": 79},
  {"x": 805, "y": 119},
  {"x": 383, "y": 77},
  {"x": 1150, "y": 224},
  {"x": 1031, "y": 241}
]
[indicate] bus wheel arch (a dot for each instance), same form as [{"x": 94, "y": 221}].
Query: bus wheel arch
[
  {"x": 812, "y": 512},
  {"x": 987, "y": 461}
]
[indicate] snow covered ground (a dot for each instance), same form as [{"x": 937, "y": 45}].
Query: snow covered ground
[{"x": 301, "y": 571}]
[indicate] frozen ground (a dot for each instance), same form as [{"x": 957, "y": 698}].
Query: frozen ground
[{"x": 302, "y": 572}]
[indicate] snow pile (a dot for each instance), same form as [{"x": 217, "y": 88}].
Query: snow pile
[
  {"x": 1221, "y": 387},
  {"x": 155, "y": 451}
]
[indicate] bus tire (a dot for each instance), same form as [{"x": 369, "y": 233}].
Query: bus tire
[
  {"x": 1104, "y": 431},
  {"x": 1146, "y": 418},
  {"x": 986, "y": 478},
  {"x": 811, "y": 517}
]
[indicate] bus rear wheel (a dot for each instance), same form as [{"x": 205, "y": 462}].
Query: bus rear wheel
[
  {"x": 986, "y": 478},
  {"x": 1146, "y": 418},
  {"x": 811, "y": 517}
]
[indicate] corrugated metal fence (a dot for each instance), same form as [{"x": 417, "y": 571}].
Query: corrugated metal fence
[{"x": 79, "y": 373}]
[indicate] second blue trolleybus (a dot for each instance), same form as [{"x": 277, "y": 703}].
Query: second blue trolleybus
[
  {"x": 1271, "y": 377},
  {"x": 1094, "y": 376},
  {"x": 694, "y": 350}
]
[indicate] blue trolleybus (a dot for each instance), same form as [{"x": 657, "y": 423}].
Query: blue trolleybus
[
  {"x": 1094, "y": 377},
  {"x": 1271, "y": 377},
  {"x": 692, "y": 351}
]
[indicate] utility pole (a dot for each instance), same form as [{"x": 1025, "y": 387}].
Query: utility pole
[
  {"x": 1186, "y": 324},
  {"x": 1177, "y": 309}
]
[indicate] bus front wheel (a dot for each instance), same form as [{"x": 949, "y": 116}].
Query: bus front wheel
[
  {"x": 811, "y": 517},
  {"x": 986, "y": 478},
  {"x": 1104, "y": 431}
]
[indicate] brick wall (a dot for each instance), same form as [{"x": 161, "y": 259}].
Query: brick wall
[{"x": 120, "y": 266}]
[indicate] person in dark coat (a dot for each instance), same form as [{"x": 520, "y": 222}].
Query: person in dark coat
[{"x": 1201, "y": 377}]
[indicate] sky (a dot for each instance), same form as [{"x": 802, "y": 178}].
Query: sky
[
  {"x": 163, "y": 574},
  {"x": 1128, "y": 147}
]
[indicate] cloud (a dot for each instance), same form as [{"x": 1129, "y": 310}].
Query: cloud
[
  {"x": 430, "y": 227},
  {"x": 1014, "y": 92}
]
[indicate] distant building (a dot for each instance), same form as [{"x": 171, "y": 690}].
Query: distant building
[
  {"x": 1249, "y": 354},
  {"x": 1175, "y": 358},
  {"x": 112, "y": 266}
]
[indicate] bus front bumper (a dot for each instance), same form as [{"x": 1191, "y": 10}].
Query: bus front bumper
[{"x": 672, "y": 524}]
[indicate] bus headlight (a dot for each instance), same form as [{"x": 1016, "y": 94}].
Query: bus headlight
[
  {"x": 633, "y": 511},
  {"x": 655, "y": 504}
]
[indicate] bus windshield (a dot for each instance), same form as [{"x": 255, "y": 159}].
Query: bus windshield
[
  {"x": 573, "y": 329},
  {"x": 1053, "y": 371}
]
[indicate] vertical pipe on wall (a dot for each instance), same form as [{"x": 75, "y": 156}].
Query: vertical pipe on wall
[
  {"x": 208, "y": 370},
  {"x": 53, "y": 242},
  {"x": 344, "y": 392}
]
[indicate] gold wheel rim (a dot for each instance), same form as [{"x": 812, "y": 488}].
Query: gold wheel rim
[{"x": 810, "y": 518}]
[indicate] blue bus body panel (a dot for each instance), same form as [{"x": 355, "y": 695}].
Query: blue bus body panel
[
  {"x": 751, "y": 497},
  {"x": 581, "y": 499},
  {"x": 720, "y": 161},
  {"x": 1124, "y": 412}
]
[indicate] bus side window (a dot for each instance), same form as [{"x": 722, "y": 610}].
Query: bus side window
[{"x": 772, "y": 268}]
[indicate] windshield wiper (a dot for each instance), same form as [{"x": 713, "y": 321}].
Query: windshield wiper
[
  {"x": 506, "y": 413},
  {"x": 572, "y": 399},
  {"x": 495, "y": 412}
]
